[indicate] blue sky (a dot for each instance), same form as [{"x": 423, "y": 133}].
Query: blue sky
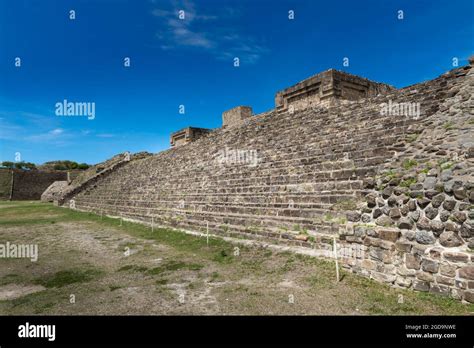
[{"x": 190, "y": 62}]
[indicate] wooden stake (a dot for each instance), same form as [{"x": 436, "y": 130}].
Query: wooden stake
[
  {"x": 120, "y": 219},
  {"x": 335, "y": 256},
  {"x": 152, "y": 224},
  {"x": 207, "y": 236}
]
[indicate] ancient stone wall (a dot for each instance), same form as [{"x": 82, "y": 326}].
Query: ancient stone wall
[
  {"x": 236, "y": 116},
  {"x": 30, "y": 184},
  {"x": 5, "y": 184},
  {"x": 303, "y": 178}
]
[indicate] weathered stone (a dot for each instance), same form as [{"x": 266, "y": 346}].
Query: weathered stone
[
  {"x": 455, "y": 257},
  {"x": 423, "y": 202},
  {"x": 450, "y": 239},
  {"x": 449, "y": 204},
  {"x": 403, "y": 246},
  {"x": 392, "y": 201},
  {"x": 403, "y": 282},
  {"x": 437, "y": 227},
  {"x": 437, "y": 200},
  {"x": 384, "y": 221},
  {"x": 368, "y": 183},
  {"x": 405, "y": 224},
  {"x": 435, "y": 253},
  {"x": 427, "y": 277},
  {"x": 451, "y": 226},
  {"x": 446, "y": 175},
  {"x": 444, "y": 215},
  {"x": 423, "y": 224},
  {"x": 431, "y": 212},
  {"x": 371, "y": 199},
  {"x": 424, "y": 237},
  {"x": 353, "y": 216},
  {"x": 382, "y": 277},
  {"x": 412, "y": 204},
  {"x": 404, "y": 210},
  {"x": 452, "y": 185},
  {"x": 470, "y": 243},
  {"x": 416, "y": 187},
  {"x": 368, "y": 264},
  {"x": 410, "y": 235},
  {"x": 429, "y": 183},
  {"x": 431, "y": 193},
  {"x": 421, "y": 285},
  {"x": 460, "y": 193},
  {"x": 395, "y": 213},
  {"x": 467, "y": 229},
  {"x": 403, "y": 199},
  {"x": 467, "y": 272},
  {"x": 390, "y": 235},
  {"x": 429, "y": 266},
  {"x": 439, "y": 289},
  {"x": 447, "y": 270},
  {"x": 380, "y": 202},
  {"x": 469, "y": 296},
  {"x": 414, "y": 215},
  {"x": 387, "y": 192},
  {"x": 376, "y": 213},
  {"x": 365, "y": 218},
  {"x": 444, "y": 280},
  {"x": 459, "y": 217},
  {"x": 412, "y": 261},
  {"x": 394, "y": 182}
]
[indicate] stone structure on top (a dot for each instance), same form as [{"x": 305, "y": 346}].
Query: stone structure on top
[
  {"x": 236, "y": 116},
  {"x": 327, "y": 88},
  {"x": 185, "y": 135}
]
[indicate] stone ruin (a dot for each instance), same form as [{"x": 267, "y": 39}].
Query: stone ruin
[
  {"x": 394, "y": 190},
  {"x": 328, "y": 88},
  {"x": 18, "y": 184},
  {"x": 185, "y": 135}
]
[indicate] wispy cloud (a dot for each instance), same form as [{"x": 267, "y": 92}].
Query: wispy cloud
[{"x": 205, "y": 31}]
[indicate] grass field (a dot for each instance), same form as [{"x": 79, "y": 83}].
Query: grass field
[{"x": 89, "y": 265}]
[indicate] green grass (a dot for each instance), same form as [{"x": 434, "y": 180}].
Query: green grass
[
  {"x": 67, "y": 277},
  {"x": 408, "y": 182},
  {"x": 172, "y": 266},
  {"x": 409, "y": 163},
  {"x": 448, "y": 125},
  {"x": 133, "y": 268}
]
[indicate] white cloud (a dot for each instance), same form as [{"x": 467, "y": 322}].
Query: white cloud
[
  {"x": 224, "y": 43},
  {"x": 57, "y": 131}
]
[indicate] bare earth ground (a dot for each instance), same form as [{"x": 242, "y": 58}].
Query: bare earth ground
[{"x": 84, "y": 268}]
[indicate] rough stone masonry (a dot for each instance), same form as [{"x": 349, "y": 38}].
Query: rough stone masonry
[{"x": 395, "y": 190}]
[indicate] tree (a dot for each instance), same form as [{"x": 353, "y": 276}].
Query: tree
[
  {"x": 83, "y": 166},
  {"x": 8, "y": 164}
]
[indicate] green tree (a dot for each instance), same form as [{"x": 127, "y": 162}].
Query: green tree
[{"x": 8, "y": 164}]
